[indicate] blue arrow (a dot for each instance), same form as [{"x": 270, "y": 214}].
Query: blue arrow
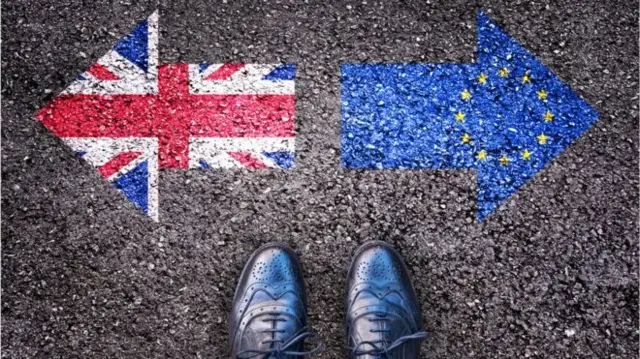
[{"x": 507, "y": 116}]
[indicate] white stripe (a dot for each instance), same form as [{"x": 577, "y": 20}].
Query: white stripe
[
  {"x": 214, "y": 151},
  {"x": 128, "y": 167},
  {"x": 120, "y": 66},
  {"x": 132, "y": 80},
  {"x": 99, "y": 150},
  {"x": 247, "y": 81},
  {"x": 264, "y": 159},
  {"x": 210, "y": 69},
  {"x": 218, "y": 160},
  {"x": 241, "y": 144},
  {"x": 253, "y": 73},
  {"x": 152, "y": 43}
]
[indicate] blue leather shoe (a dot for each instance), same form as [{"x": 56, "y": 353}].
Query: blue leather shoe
[
  {"x": 383, "y": 317},
  {"x": 269, "y": 314}
]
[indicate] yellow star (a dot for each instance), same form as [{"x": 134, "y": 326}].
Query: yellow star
[
  {"x": 504, "y": 160},
  {"x": 460, "y": 117},
  {"x": 503, "y": 72},
  {"x": 466, "y": 95},
  {"x": 466, "y": 138},
  {"x": 526, "y": 155},
  {"x": 482, "y": 78},
  {"x": 482, "y": 155},
  {"x": 526, "y": 79},
  {"x": 542, "y": 95},
  {"x": 542, "y": 139},
  {"x": 548, "y": 116}
]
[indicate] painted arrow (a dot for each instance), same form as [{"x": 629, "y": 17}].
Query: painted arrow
[
  {"x": 129, "y": 116},
  {"x": 507, "y": 116}
]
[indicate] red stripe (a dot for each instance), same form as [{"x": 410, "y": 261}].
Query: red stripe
[
  {"x": 242, "y": 115},
  {"x": 247, "y": 160},
  {"x": 100, "y": 115},
  {"x": 115, "y": 164},
  {"x": 224, "y": 72},
  {"x": 170, "y": 111},
  {"x": 141, "y": 115},
  {"x": 102, "y": 73}
]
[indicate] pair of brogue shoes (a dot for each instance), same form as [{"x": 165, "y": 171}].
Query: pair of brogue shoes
[{"x": 269, "y": 317}]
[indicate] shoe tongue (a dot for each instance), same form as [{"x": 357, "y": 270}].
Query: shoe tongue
[
  {"x": 376, "y": 327},
  {"x": 262, "y": 329}
]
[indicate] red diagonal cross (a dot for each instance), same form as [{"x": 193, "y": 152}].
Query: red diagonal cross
[{"x": 172, "y": 116}]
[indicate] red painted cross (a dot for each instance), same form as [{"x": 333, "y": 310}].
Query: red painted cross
[{"x": 173, "y": 116}]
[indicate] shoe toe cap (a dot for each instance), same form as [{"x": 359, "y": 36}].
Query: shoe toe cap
[
  {"x": 378, "y": 263},
  {"x": 273, "y": 265}
]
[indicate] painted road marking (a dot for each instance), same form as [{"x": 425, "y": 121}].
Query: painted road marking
[
  {"x": 129, "y": 116},
  {"x": 507, "y": 116}
]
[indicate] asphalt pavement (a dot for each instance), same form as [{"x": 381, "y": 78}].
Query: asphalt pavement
[{"x": 553, "y": 273}]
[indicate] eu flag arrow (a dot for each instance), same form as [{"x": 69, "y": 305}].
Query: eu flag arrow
[{"x": 507, "y": 116}]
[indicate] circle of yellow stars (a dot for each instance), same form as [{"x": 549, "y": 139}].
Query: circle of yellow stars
[{"x": 541, "y": 138}]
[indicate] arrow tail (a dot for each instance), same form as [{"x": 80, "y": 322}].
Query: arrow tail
[{"x": 404, "y": 116}]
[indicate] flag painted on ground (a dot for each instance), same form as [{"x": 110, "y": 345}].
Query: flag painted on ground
[
  {"x": 129, "y": 117},
  {"x": 507, "y": 116}
]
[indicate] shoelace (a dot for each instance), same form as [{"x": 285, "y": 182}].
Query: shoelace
[
  {"x": 384, "y": 351},
  {"x": 378, "y": 346},
  {"x": 280, "y": 348}
]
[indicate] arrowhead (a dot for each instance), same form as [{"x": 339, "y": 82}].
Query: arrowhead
[
  {"x": 529, "y": 116},
  {"x": 130, "y": 67}
]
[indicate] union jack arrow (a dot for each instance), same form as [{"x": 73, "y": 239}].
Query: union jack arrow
[{"x": 128, "y": 116}]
